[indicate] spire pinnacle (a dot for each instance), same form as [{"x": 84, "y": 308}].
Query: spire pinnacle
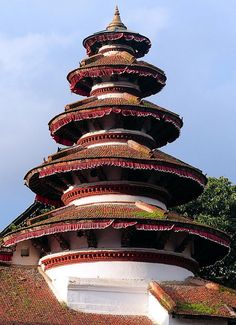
[{"x": 116, "y": 22}]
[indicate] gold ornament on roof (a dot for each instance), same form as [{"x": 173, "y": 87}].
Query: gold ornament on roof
[{"x": 116, "y": 22}]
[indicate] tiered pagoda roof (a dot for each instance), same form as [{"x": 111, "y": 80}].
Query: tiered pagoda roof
[
  {"x": 150, "y": 79},
  {"x": 67, "y": 127},
  {"x": 115, "y": 129},
  {"x": 117, "y": 33},
  {"x": 129, "y": 155},
  {"x": 112, "y": 176},
  {"x": 126, "y": 216}
]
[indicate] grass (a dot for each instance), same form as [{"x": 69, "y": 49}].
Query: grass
[
  {"x": 151, "y": 215},
  {"x": 197, "y": 308}
]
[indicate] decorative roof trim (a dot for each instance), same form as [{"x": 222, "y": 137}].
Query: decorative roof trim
[
  {"x": 105, "y": 36},
  {"x": 114, "y": 89},
  {"x": 140, "y": 189},
  {"x": 78, "y": 115},
  {"x": 46, "y": 201},
  {"x": 80, "y": 164},
  {"x": 202, "y": 233},
  {"x": 53, "y": 229},
  {"x": 92, "y": 72},
  {"x": 5, "y": 255},
  {"x": 117, "y": 136},
  {"x": 119, "y": 255},
  {"x": 49, "y": 229}
]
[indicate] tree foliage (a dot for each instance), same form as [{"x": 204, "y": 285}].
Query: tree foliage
[{"x": 216, "y": 207}]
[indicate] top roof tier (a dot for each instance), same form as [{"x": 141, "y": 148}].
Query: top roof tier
[{"x": 117, "y": 33}]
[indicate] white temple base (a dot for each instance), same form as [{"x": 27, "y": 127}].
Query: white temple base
[
  {"x": 109, "y": 287},
  {"x": 118, "y": 297}
]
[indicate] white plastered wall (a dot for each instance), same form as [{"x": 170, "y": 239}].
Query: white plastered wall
[
  {"x": 121, "y": 270},
  {"x": 108, "y": 238},
  {"x": 108, "y": 296},
  {"x": 32, "y": 259},
  {"x": 124, "y": 272},
  {"x": 158, "y": 314}
]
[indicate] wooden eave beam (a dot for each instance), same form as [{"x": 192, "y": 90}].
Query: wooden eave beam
[
  {"x": 71, "y": 132},
  {"x": 127, "y": 236},
  {"x": 64, "y": 244},
  {"x": 101, "y": 175},
  {"x": 69, "y": 179},
  {"x": 58, "y": 189},
  {"x": 97, "y": 125},
  {"x": 82, "y": 178},
  {"x": 42, "y": 244},
  {"x": 162, "y": 239},
  {"x": 83, "y": 127},
  {"x": 91, "y": 238},
  {"x": 65, "y": 181},
  {"x": 183, "y": 244}
]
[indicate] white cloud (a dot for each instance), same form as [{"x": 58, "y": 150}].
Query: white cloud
[
  {"x": 149, "y": 20},
  {"x": 25, "y": 54},
  {"x": 24, "y": 65},
  {"x": 26, "y": 105}
]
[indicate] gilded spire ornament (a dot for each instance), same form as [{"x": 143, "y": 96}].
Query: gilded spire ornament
[{"x": 116, "y": 22}]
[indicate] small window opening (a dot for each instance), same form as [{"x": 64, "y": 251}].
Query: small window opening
[{"x": 24, "y": 252}]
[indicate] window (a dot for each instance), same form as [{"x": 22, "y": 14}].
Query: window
[{"x": 25, "y": 251}]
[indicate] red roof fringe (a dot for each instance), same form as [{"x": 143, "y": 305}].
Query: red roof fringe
[
  {"x": 103, "y": 37},
  {"x": 122, "y": 224},
  {"x": 141, "y": 71},
  {"x": 64, "y": 227},
  {"x": 46, "y": 201},
  {"x": 5, "y": 257},
  {"x": 93, "y": 163},
  {"x": 53, "y": 229},
  {"x": 98, "y": 113},
  {"x": 201, "y": 233}
]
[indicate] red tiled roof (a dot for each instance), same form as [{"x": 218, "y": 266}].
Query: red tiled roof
[
  {"x": 124, "y": 101},
  {"x": 122, "y": 58},
  {"x": 130, "y": 106},
  {"x": 26, "y": 299},
  {"x": 151, "y": 79},
  {"x": 99, "y": 60},
  {"x": 139, "y": 43},
  {"x": 125, "y": 155},
  {"x": 95, "y": 102},
  {"x": 100, "y": 216},
  {"x": 131, "y": 156},
  {"x": 130, "y": 153},
  {"x": 117, "y": 61},
  {"x": 107, "y": 210},
  {"x": 116, "y": 151},
  {"x": 197, "y": 297}
]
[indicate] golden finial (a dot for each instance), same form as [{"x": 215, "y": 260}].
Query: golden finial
[{"x": 116, "y": 22}]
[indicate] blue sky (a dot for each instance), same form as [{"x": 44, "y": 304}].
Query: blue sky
[{"x": 41, "y": 41}]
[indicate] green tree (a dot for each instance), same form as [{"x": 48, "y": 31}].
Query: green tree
[{"x": 216, "y": 207}]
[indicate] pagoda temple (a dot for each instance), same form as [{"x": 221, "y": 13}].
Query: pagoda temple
[{"x": 101, "y": 237}]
